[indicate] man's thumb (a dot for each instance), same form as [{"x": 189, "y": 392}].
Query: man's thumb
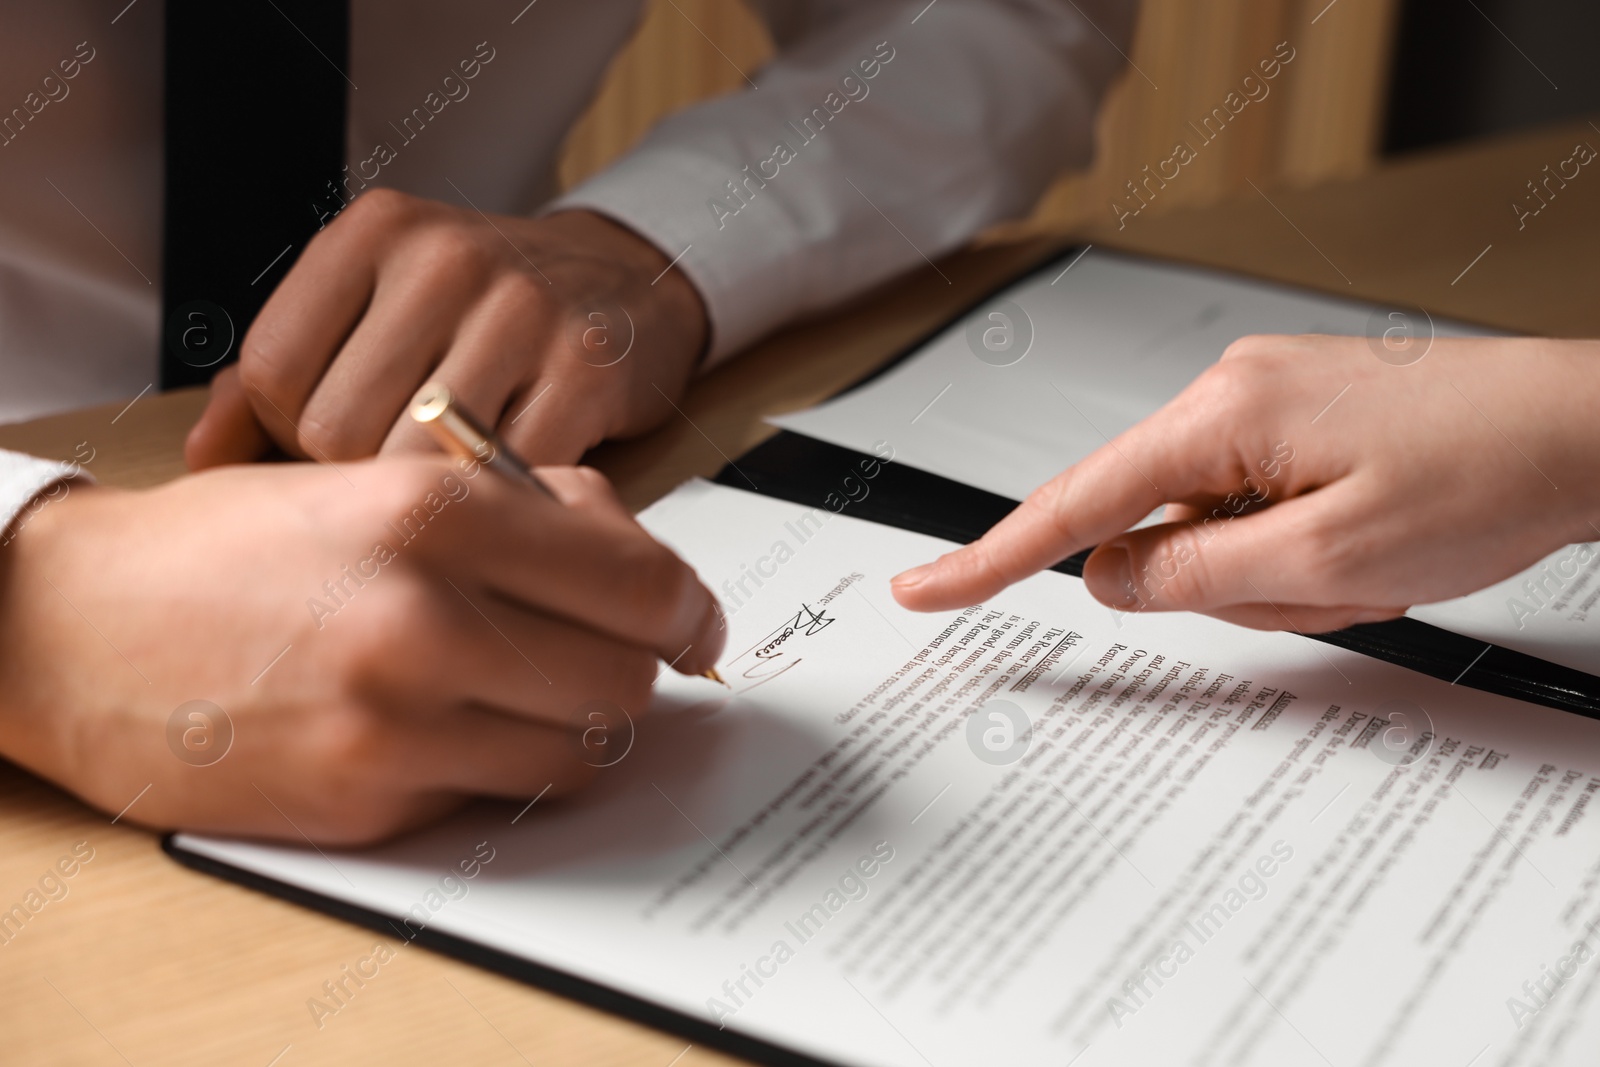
[{"x": 228, "y": 431}]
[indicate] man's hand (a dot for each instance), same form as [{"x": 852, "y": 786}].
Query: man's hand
[
  {"x": 385, "y": 639},
  {"x": 561, "y": 331},
  {"x": 1310, "y": 486}
]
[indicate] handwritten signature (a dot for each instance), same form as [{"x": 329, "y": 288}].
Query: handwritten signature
[
  {"x": 805, "y": 622},
  {"x": 772, "y": 656}
]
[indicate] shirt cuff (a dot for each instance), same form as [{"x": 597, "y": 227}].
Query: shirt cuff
[
  {"x": 23, "y": 480},
  {"x": 659, "y": 192}
]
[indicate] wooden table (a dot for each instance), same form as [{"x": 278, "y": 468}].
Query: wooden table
[{"x": 145, "y": 962}]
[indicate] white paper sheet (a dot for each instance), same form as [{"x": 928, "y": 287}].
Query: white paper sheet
[
  {"x": 1547, "y": 611},
  {"x": 1211, "y": 845},
  {"x": 1104, "y": 344}
]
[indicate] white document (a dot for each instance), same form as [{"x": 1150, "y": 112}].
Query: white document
[
  {"x": 1073, "y": 358},
  {"x": 1549, "y": 610},
  {"x": 1156, "y": 840}
]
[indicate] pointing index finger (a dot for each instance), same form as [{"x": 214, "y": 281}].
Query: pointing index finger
[{"x": 1095, "y": 499}]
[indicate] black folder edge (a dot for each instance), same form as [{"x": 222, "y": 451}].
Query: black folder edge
[
  {"x": 792, "y": 467},
  {"x": 551, "y": 979},
  {"x": 805, "y": 471}
]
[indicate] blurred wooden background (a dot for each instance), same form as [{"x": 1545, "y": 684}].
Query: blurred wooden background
[{"x": 1321, "y": 120}]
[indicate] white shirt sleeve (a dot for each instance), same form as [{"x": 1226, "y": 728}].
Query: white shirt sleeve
[
  {"x": 22, "y": 480},
  {"x": 886, "y": 133}
]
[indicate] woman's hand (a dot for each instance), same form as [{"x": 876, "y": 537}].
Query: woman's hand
[{"x": 1310, "y": 486}]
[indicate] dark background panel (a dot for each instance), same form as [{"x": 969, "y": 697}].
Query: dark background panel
[{"x": 1470, "y": 68}]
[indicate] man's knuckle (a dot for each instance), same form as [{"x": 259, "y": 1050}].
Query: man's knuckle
[
  {"x": 263, "y": 368},
  {"x": 520, "y": 290},
  {"x": 349, "y": 742},
  {"x": 388, "y": 629},
  {"x": 453, "y": 252},
  {"x": 323, "y": 438},
  {"x": 381, "y": 208}
]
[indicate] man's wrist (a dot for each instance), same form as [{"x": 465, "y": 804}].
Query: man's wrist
[{"x": 674, "y": 296}]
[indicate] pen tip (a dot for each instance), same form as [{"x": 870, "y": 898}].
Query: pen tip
[{"x": 715, "y": 677}]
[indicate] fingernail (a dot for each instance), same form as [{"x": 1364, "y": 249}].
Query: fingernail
[
  {"x": 1113, "y": 577},
  {"x": 913, "y": 577}
]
